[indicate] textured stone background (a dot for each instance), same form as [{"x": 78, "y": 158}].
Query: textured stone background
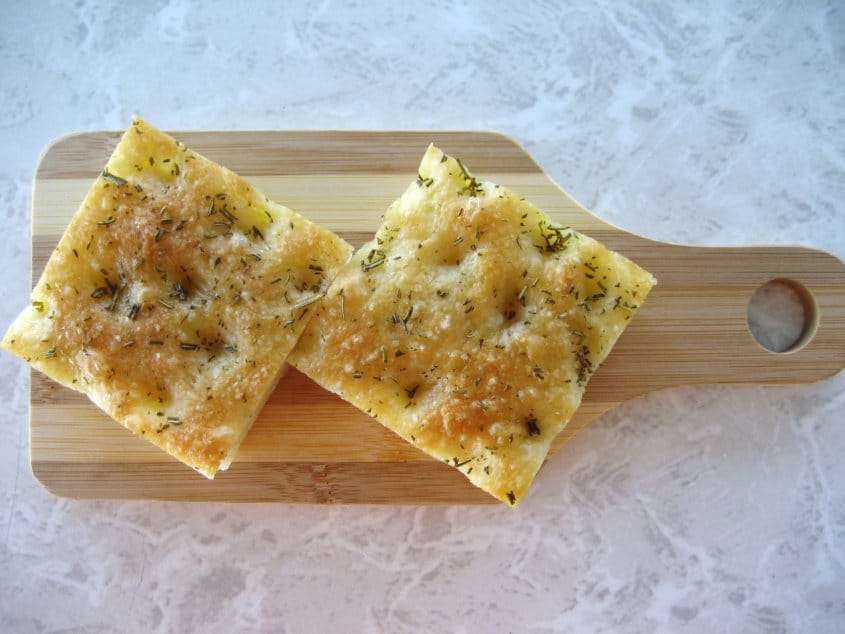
[{"x": 699, "y": 509}]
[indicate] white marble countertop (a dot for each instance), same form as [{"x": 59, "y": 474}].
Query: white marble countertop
[{"x": 698, "y": 509}]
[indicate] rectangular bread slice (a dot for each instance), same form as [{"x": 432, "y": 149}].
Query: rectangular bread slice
[
  {"x": 174, "y": 297},
  {"x": 471, "y": 324}
]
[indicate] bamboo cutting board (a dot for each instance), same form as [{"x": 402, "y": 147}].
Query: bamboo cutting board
[{"x": 308, "y": 445}]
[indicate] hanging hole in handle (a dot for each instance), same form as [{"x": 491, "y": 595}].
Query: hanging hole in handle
[{"x": 782, "y": 315}]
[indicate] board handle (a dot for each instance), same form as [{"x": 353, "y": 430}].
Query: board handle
[{"x": 693, "y": 328}]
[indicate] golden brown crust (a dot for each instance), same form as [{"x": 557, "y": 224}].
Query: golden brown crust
[
  {"x": 174, "y": 297},
  {"x": 471, "y": 325}
]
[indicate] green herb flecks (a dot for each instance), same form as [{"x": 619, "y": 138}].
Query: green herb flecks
[
  {"x": 116, "y": 292},
  {"x": 473, "y": 186},
  {"x": 375, "y": 257},
  {"x": 618, "y": 302},
  {"x": 585, "y": 366},
  {"x": 306, "y": 301},
  {"x": 179, "y": 292},
  {"x": 117, "y": 180},
  {"x": 554, "y": 238},
  {"x": 227, "y": 214}
]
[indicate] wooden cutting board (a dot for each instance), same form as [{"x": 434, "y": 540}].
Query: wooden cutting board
[{"x": 308, "y": 445}]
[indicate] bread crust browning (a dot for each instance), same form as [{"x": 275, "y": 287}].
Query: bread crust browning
[
  {"x": 471, "y": 324},
  {"x": 174, "y": 297}
]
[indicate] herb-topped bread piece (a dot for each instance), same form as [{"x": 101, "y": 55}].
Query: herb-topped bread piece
[
  {"x": 471, "y": 324},
  {"x": 174, "y": 297}
]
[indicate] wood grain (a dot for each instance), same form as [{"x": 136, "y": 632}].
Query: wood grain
[{"x": 308, "y": 445}]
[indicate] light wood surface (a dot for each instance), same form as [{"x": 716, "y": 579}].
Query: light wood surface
[{"x": 308, "y": 445}]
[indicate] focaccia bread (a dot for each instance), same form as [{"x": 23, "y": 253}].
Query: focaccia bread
[
  {"x": 174, "y": 297},
  {"x": 471, "y": 324}
]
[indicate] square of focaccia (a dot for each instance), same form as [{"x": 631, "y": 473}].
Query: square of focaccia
[
  {"x": 174, "y": 297},
  {"x": 471, "y": 324}
]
